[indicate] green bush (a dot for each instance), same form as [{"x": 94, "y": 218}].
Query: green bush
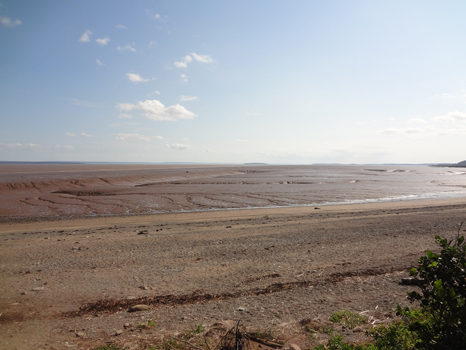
[{"x": 442, "y": 296}]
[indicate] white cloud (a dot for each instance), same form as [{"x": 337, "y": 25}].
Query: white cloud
[
  {"x": 202, "y": 58},
  {"x": 157, "y": 92},
  {"x": 136, "y": 136},
  {"x": 184, "y": 77},
  {"x": 429, "y": 130},
  {"x": 86, "y": 135},
  {"x": 184, "y": 62},
  {"x": 178, "y": 146},
  {"x": 155, "y": 110},
  {"x": 242, "y": 140},
  {"x": 135, "y": 77},
  {"x": 153, "y": 43},
  {"x": 99, "y": 63},
  {"x": 85, "y": 37},
  {"x": 160, "y": 138},
  {"x": 72, "y": 134},
  {"x": 189, "y": 58},
  {"x": 157, "y": 16},
  {"x": 451, "y": 117},
  {"x": 103, "y": 41},
  {"x": 125, "y": 48},
  {"x": 187, "y": 98},
  {"x": 32, "y": 146},
  {"x": 416, "y": 120},
  {"x": 125, "y": 116},
  {"x": 8, "y": 22},
  {"x": 121, "y": 26}
]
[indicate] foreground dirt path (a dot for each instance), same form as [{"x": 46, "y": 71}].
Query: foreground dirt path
[{"x": 69, "y": 283}]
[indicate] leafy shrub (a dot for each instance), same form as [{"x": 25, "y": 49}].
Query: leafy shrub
[{"x": 442, "y": 296}]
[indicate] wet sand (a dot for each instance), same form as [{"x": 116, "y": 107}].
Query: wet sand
[
  {"x": 56, "y": 191},
  {"x": 68, "y": 282}
]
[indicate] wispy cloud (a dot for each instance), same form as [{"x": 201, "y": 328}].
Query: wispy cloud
[
  {"x": 183, "y": 63},
  {"x": 72, "y": 134},
  {"x": 153, "y": 43},
  {"x": 125, "y": 116},
  {"x": 86, "y": 135},
  {"x": 85, "y": 37},
  {"x": 460, "y": 96},
  {"x": 178, "y": 146},
  {"x": 8, "y": 22},
  {"x": 202, "y": 58},
  {"x": 429, "y": 130},
  {"x": 157, "y": 92},
  {"x": 121, "y": 26},
  {"x": 188, "y": 98},
  {"x": 33, "y": 146},
  {"x": 99, "y": 63},
  {"x": 451, "y": 117},
  {"x": 155, "y": 110},
  {"x": 160, "y": 138},
  {"x": 103, "y": 41},
  {"x": 135, "y": 77},
  {"x": 134, "y": 136},
  {"x": 126, "y": 48},
  {"x": 242, "y": 140},
  {"x": 184, "y": 77}
]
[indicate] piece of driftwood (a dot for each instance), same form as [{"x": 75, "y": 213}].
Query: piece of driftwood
[{"x": 413, "y": 281}]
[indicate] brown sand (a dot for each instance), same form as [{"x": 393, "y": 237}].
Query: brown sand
[{"x": 203, "y": 267}]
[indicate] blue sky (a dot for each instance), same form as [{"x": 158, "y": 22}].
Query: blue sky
[{"x": 293, "y": 82}]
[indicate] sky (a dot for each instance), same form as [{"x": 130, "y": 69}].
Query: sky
[{"x": 278, "y": 82}]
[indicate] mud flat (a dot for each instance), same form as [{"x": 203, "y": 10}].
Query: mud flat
[{"x": 69, "y": 283}]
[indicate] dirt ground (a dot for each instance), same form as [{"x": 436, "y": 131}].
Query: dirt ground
[{"x": 69, "y": 283}]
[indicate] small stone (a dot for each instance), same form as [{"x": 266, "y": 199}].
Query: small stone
[
  {"x": 358, "y": 329},
  {"x": 118, "y": 332},
  {"x": 142, "y": 232},
  {"x": 23, "y": 293},
  {"x": 241, "y": 309},
  {"x": 228, "y": 226},
  {"x": 127, "y": 325},
  {"x": 294, "y": 347},
  {"x": 144, "y": 288},
  {"x": 140, "y": 307},
  {"x": 74, "y": 248},
  {"x": 37, "y": 289},
  {"x": 80, "y": 334}
]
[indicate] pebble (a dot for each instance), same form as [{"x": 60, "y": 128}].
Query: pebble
[
  {"x": 142, "y": 232},
  {"x": 294, "y": 347},
  {"x": 80, "y": 334},
  {"x": 144, "y": 288},
  {"x": 140, "y": 307},
  {"x": 119, "y": 332},
  {"x": 37, "y": 289},
  {"x": 241, "y": 308},
  {"x": 23, "y": 293}
]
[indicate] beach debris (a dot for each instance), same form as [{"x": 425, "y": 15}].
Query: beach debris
[
  {"x": 142, "y": 232},
  {"x": 413, "y": 281},
  {"x": 316, "y": 208},
  {"x": 137, "y": 308},
  {"x": 37, "y": 289}
]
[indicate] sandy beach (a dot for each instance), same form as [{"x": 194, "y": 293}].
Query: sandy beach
[{"x": 68, "y": 282}]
